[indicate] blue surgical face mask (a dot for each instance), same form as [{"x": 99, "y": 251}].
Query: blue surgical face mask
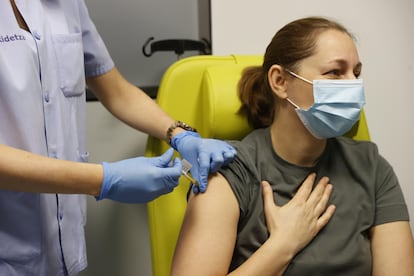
[{"x": 336, "y": 108}]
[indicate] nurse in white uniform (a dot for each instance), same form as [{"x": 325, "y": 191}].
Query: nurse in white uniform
[{"x": 49, "y": 51}]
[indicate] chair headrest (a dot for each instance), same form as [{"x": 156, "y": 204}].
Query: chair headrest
[{"x": 220, "y": 103}]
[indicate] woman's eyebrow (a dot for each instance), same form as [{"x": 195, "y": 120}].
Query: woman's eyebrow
[{"x": 343, "y": 62}]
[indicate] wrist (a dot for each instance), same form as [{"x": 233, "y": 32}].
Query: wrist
[
  {"x": 175, "y": 128},
  {"x": 177, "y": 138},
  {"x": 103, "y": 188},
  {"x": 283, "y": 245}
]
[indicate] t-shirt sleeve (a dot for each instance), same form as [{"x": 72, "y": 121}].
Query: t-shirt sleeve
[
  {"x": 390, "y": 203},
  {"x": 96, "y": 56},
  {"x": 241, "y": 175}
]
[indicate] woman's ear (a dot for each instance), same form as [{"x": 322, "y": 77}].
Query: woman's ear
[{"x": 277, "y": 81}]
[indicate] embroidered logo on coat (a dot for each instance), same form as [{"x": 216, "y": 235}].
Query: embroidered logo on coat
[{"x": 11, "y": 38}]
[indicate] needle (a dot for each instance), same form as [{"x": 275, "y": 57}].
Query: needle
[{"x": 186, "y": 168}]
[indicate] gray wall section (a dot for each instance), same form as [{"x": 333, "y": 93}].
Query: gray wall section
[
  {"x": 125, "y": 25},
  {"x": 117, "y": 234}
]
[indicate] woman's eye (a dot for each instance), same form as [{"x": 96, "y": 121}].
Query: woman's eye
[{"x": 334, "y": 72}]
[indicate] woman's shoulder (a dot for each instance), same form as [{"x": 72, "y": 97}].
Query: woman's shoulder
[
  {"x": 352, "y": 145},
  {"x": 251, "y": 151},
  {"x": 253, "y": 141},
  {"x": 360, "y": 153}
]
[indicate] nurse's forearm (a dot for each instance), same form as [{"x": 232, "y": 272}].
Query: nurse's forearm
[
  {"x": 130, "y": 104},
  {"x": 23, "y": 171}
]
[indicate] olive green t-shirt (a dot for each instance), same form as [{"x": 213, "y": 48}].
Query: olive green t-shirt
[{"x": 366, "y": 192}]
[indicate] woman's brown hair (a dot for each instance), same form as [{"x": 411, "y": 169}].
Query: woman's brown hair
[{"x": 291, "y": 44}]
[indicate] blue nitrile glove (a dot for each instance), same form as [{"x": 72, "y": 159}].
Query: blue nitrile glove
[
  {"x": 205, "y": 155},
  {"x": 140, "y": 179}
]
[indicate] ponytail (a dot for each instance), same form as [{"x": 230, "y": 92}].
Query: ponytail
[{"x": 257, "y": 100}]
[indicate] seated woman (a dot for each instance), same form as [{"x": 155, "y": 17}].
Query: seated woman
[{"x": 300, "y": 199}]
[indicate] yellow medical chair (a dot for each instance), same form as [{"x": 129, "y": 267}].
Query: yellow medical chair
[{"x": 201, "y": 91}]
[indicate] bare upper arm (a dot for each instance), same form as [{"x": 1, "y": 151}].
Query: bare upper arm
[
  {"x": 208, "y": 234},
  {"x": 392, "y": 249}
]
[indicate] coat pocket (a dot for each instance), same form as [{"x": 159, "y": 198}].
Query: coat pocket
[{"x": 70, "y": 63}]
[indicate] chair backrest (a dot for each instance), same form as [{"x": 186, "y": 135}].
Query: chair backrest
[{"x": 201, "y": 91}]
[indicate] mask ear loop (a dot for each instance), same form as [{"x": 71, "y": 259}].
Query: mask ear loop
[
  {"x": 301, "y": 78},
  {"x": 297, "y": 76},
  {"x": 292, "y": 103}
]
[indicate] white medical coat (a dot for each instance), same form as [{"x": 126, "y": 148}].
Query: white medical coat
[{"x": 42, "y": 110}]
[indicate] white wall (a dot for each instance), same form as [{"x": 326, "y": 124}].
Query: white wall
[{"x": 386, "y": 47}]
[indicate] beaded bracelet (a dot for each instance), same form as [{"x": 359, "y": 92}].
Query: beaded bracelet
[{"x": 174, "y": 126}]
